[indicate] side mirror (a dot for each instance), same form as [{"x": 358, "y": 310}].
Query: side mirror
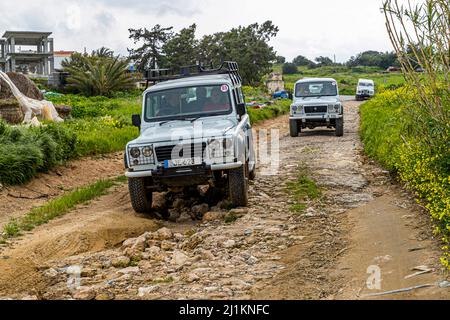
[
  {"x": 241, "y": 109},
  {"x": 136, "y": 120}
]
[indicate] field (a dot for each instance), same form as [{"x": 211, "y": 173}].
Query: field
[{"x": 346, "y": 77}]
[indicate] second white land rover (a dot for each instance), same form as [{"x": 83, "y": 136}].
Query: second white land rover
[{"x": 316, "y": 104}]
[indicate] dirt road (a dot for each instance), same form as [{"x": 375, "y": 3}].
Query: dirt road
[{"x": 363, "y": 221}]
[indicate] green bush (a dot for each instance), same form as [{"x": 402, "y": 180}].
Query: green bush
[
  {"x": 290, "y": 68},
  {"x": 416, "y": 147},
  {"x": 25, "y": 151},
  {"x": 279, "y": 108}
]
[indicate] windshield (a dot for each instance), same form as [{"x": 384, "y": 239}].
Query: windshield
[
  {"x": 366, "y": 84},
  {"x": 316, "y": 89},
  {"x": 192, "y": 102}
]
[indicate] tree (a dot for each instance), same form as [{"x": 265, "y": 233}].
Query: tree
[
  {"x": 324, "y": 61},
  {"x": 97, "y": 74},
  {"x": 248, "y": 46},
  {"x": 280, "y": 59},
  {"x": 290, "y": 68},
  {"x": 181, "y": 49},
  {"x": 150, "y": 53},
  {"x": 301, "y": 61},
  {"x": 374, "y": 59}
]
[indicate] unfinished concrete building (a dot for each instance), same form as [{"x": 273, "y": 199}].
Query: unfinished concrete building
[{"x": 27, "y": 52}]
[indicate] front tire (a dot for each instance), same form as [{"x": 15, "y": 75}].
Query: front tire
[
  {"x": 238, "y": 187},
  {"x": 293, "y": 128},
  {"x": 339, "y": 127},
  {"x": 141, "y": 197}
]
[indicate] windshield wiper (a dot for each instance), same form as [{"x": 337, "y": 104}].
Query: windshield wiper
[{"x": 192, "y": 120}]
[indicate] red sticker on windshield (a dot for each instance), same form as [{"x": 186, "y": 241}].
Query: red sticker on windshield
[{"x": 224, "y": 88}]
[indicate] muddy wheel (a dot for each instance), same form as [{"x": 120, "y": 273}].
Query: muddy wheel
[
  {"x": 141, "y": 197},
  {"x": 238, "y": 187},
  {"x": 339, "y": 127},
  {"x": 293, "y": 128}
]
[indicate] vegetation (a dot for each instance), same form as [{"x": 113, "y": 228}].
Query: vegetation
[
  {"x": 97, "y": 74},
  {"x": 347, "y": 77},
  {"x": 289, "y": 68},
  {"x": 302, "y": 61},
  {"x": 382, "y": 60},
  {"x": 248, "y": 46},
  {"x": 408, "y": 130},
  {"x": 303, "y": 189},
  {"x": 26, "y": 151},
  {"x": 57, "y": 208}
]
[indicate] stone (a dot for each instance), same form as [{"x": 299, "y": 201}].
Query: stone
[
  {"x": 179, "y": 204},
  {"x": 213, "y": 216},
  {"x": 136, "y": 244},
  {"x": 144, "y": 291},
  {"x": 130, "y": 270},
  {"x": 30, "y": 298},
  {"x": 88, "y": 272},
  {"x": 229, "y": 244},
  {"x": 84, "y": 293},
  {"x": 121, "y": 262},
  {"x": 193, "y": 242},
  {"x": 252, "y": 260},
  {"x": 192, "y": 277},
  {"x": 167, "y": 245},
  {"x": 104, "y": 296},
  {"x": 203, "y": 190},
  {"x": 207, "y": 255},
  {"x": 200, "y": 210},
  {"x": 178, "y": 237},
  {"x": 163, "y": 234},
  {"x": 51, "y": 273},
  {"x": 179, "y": 259}
]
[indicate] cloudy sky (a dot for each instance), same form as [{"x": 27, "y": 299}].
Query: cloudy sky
[{"x": 307, "y": 27}]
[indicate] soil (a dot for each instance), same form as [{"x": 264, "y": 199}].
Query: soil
[{"x": 266, "y": 251}]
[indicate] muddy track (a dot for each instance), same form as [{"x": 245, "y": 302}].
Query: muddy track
[{"x": 269, "y": 252}]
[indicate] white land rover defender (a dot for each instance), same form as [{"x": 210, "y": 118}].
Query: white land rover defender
[
  {"x": 194, "y": 130},
  {"x": 365, "y": 89},
  {"x": 316, "y": 104}
]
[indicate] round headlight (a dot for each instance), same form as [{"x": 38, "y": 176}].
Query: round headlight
[
  {"x": 135, "y": 152},
  {"x": 294, "y": 108},
  {"x": 336, "y": 107},
  {"x": 147, "y": 152}
]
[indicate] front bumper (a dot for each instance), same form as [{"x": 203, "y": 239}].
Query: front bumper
[
  {"x": 315, "y": 117},
  {"x": 182, "y": 172}
]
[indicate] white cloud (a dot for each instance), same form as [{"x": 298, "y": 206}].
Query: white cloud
[{"x": 311, "y": 28}]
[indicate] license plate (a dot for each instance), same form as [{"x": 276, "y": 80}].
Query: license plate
[{"x": 179, "y": 163}]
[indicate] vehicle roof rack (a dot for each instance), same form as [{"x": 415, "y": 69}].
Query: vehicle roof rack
[{"x": 160, "y": 75}]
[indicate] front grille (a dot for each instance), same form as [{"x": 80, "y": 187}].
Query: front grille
[
  {"x": 165, "y": 152},
  {"x": 316, "y": 109}
]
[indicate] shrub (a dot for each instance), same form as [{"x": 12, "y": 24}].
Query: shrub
[
  {"x": 407, "y": 141},
  {"x": 289, "y": 68},
  {"x": 25, "y": 151}
]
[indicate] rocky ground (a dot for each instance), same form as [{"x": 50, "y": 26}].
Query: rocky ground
[{"x": 265, "y": 251}]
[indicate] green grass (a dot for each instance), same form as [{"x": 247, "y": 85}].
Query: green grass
[
  {"x": 303, "y": 190},
  {"x": 406, "y": 140},
  {"x": 346, "y": 77},
  {"x": 57, "y": 207}
]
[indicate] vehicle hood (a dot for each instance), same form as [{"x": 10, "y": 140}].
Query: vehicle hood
[
  {"x": 174, "y": 131},
  {"x": 315, "y": 101}
]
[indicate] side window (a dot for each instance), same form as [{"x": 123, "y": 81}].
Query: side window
[{"x": 241, "y": 95}]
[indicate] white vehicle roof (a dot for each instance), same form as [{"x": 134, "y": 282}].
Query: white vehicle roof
[
  {"x": 365, "y": 80},
  {"x": 315, "y": 80},
  {"x": 215, "y": 79}
]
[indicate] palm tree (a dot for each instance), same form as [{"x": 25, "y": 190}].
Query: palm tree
[{"x": 99, "y": 75}]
